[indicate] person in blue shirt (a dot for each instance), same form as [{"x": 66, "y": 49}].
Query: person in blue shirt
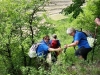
[
  {"x": 80, "y": 40},
  {"x": 43, "y": 58},
  {"x": 44, "y": 48}
]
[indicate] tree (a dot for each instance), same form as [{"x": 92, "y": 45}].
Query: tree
[
  {"x": 74, "y": 8},
  {"x": 18, "y": 27}
]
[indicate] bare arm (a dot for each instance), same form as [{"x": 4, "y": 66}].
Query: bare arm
[
  {"x": 53, "y": 49},
  {"x": 72, "y": 44}
]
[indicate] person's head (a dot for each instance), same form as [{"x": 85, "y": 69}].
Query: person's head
[
  {"x": 54, "y": 36},
  {"x": 46, "y": 38},
  {"x": 71, "y": 31}
]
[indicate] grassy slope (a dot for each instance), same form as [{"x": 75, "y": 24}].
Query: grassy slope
[{"x": 65, "y": 62}]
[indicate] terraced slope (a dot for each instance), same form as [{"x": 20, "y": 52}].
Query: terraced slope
[{"x": 54, "y": 7}]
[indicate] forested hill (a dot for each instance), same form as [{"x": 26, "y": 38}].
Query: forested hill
[{"x": 22, "y": 24}]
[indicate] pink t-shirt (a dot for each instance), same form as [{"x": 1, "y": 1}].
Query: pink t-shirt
[{"x": 97, "y": 21}]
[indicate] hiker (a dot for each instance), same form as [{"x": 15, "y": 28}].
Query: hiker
[
  {"x": 43, "y": 49},
  {"x": 97, "y": 21},
  {"x": 46, "y": 42},
  {"x": 43, "y": 58},
  {"x": 55, "y": 43},
  {"x": 80, "y": 40}
]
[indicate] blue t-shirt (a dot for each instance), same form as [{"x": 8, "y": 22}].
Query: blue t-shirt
[
  {"x": 81, "y": 37},
  {"x": 42, "y": 49},
  {"x": 45, "y": 42}
]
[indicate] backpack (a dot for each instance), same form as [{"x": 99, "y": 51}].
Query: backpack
[
  {"x": 54, "y": 44},
  {"x": 90, "y": 39},
  {"x": 32, "y": 51}
]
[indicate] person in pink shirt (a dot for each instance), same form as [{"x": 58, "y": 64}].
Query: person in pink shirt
[{"x": 97, "y": 21}]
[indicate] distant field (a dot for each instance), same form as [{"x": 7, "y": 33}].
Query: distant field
[
  {"x": 54, "y": 7},
  {"x": 57, "y": 16}
]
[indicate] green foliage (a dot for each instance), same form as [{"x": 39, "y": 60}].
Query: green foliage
[
  {"x": 96, "y": 6},
  {"x": 18, "y": 17},
  {"x": 84, "y": 20},
  {"x": 15, "y": 32},
  {"x": 74, "y": 8}
]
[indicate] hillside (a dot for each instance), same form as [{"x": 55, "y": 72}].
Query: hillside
[{"x": 54, "y": 7}]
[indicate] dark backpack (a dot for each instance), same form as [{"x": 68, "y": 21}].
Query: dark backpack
[
  {"x": 83, "y": 32},
  {"x": 54, "y": 44}
]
